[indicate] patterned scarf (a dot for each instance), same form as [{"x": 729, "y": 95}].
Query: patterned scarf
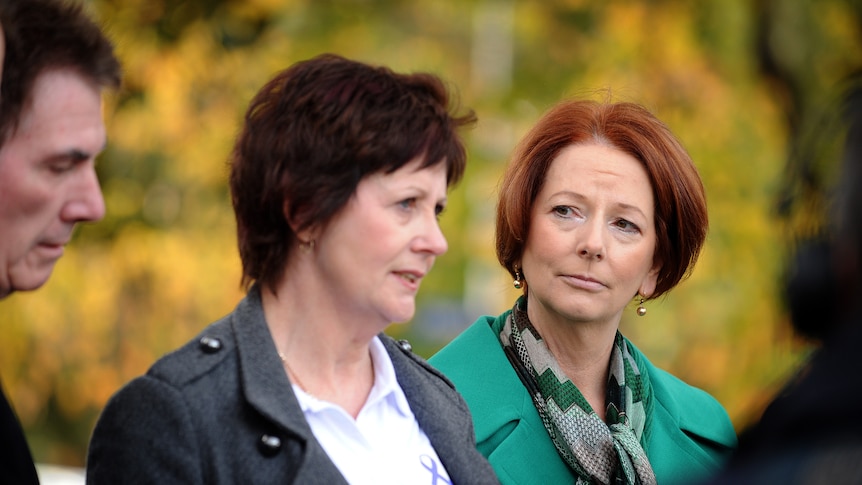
[{"x": 597, "y": 451}]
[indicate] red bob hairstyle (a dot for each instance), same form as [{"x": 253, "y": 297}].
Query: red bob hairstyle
[{"x": 681, "y": 220}]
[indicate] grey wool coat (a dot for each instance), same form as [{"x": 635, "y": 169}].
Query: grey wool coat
[{"x": 221, "y": 410}]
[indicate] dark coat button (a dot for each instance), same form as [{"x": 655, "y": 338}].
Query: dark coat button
[
  {"x": 405, "y": 345},
  {"x": 269, "y": 445},
  {"x": 210, "y": 345}
]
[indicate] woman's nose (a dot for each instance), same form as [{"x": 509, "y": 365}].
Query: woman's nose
[
  {"x": 591, "y": 241},
  {"x": 432, "y": 239}
]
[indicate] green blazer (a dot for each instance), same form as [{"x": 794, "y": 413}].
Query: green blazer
[{"x": 690, "y": 437}]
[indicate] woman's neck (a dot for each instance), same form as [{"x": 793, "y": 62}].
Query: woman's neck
[
  {"x": 582, "y": 350},
  {"x": 328, "y": 357}
]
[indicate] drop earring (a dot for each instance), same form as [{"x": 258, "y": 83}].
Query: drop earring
[
  {"x": 641, "y": 308},
  {"x": 517, "y": 283}
]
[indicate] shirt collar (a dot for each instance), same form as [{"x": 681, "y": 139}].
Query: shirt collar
[
  {"x": 385, "y": 385},
  {"x": 385, "y": 381}
]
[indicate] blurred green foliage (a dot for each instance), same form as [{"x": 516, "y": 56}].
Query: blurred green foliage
[{"x": 738, "y": 81}]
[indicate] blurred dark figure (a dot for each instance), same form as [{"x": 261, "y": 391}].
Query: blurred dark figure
[{"x": 809, "y": 433}]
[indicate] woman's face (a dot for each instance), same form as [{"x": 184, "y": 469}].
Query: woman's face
[
  {"x": 592, "y": 237},
  {"x": 374, "y": 253}
]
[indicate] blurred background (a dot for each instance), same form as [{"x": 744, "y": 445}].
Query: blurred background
[{"x": 749, "y": 86}]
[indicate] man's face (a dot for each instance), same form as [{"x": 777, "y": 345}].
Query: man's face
[{"x": 47, "y": 177}]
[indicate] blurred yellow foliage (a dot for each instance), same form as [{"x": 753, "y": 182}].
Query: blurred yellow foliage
[{"x": 163, "y": 263}]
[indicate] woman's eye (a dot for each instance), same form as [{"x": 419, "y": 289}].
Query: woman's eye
[
  {"x": 626, "y": 225},
  {"x": 407, "y": 203},
  {"x": 438, "y": 210},
  {"x": 563, "y": 210}
]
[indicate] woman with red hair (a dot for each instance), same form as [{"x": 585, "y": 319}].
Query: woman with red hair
[{"x": 600, "y": 205}]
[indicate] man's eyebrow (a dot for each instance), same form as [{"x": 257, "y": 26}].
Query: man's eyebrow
[
  {"x": 78, "y": 155},
  {"x": 73, "y": 155}
]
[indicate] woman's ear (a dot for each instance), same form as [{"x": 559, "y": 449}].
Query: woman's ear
[
  {"x": 303, "y": 235},
  {"x": 649, "y": 282},
  {"x": 288, "y": 217}
]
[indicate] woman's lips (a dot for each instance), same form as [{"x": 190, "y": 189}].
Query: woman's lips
[{"x": 585, "y": 282}]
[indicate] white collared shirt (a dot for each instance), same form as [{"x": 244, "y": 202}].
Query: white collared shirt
[{"x": 384, "y": 444}]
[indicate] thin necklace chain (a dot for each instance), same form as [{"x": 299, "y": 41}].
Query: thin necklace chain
[{"x": 295, "y": 376}]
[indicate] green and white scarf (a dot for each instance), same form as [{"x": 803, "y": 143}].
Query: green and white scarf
[{"x": 597, "y": 451}]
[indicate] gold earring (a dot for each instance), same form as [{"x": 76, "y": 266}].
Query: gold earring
[
  {"x": 641, "y": 308},
  {"x": 517, "y": 283}
]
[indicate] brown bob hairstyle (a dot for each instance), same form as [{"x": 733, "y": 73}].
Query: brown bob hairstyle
[
  {"x": 313, "y": 132},
  {"x": 681, "y": 220}
]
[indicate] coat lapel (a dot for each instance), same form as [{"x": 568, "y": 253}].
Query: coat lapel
[
  {"x": 441, "y": 414},
  {"x": 268, "y": 390}
]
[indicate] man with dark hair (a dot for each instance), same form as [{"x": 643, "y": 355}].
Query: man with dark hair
[{"x": 57, "y": 63}]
